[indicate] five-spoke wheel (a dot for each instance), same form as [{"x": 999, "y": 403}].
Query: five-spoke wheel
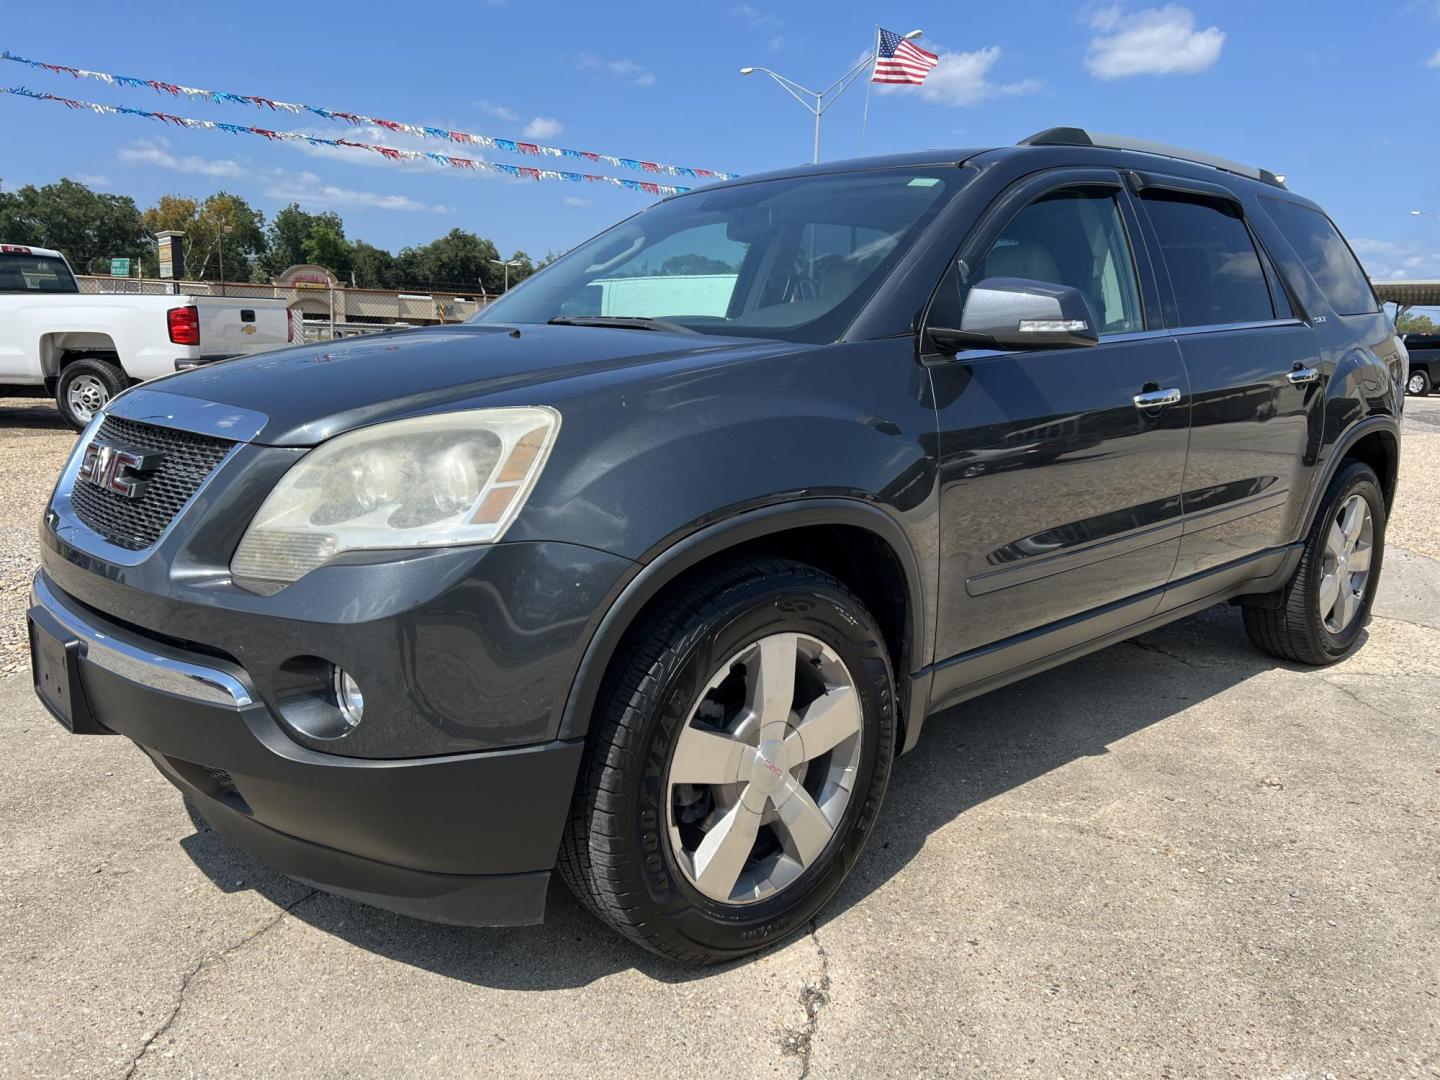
[
  {"x": 763, "y": 769},
  {"x": 736, "y": 763}
]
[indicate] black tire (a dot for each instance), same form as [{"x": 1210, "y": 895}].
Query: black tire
[
  {"x": 104, "y": 378},
  {"x": 1291, "y": 626},
  {"x": 616, "y": 855},
  {"x": 1418, "y": 383}
]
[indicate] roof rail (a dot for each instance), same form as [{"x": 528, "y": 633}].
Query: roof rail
[{"x": 1073, "y": 136}]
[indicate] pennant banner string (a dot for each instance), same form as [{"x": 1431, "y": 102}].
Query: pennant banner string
[
  {"x": 390, "y": 152},
  {"x": 420, "y": 131}
]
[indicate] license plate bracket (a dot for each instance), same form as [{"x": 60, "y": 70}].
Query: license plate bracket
[{"x": 55, "y": 667}]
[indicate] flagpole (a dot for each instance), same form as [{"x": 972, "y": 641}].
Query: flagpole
[{"x": 869, "y": 84}]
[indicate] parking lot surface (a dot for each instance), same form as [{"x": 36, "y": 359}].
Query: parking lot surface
[{"x": 1173, "y": 857}]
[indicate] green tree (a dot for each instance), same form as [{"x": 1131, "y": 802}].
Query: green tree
[
  {"x": 290, "y": 232},
  {"x": 85, "y": 225},
  {"x": 327, "y": 247},
  {"x": 202, "y": 223},
  {"x": 457, "y": 258},
  {"x": 373, "y": 267}
]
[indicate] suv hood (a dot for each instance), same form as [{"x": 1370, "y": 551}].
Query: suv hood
[{"x": 311, "y": 393}]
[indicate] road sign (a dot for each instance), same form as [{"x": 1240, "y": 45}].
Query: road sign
[{"x": 119, "y": 267}]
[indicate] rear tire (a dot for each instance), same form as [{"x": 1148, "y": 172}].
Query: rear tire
[
  {"x": 1293, "y": 626},
  {"x": 1418, "y": 385},
  {"x": 635, "y": 849},
  {"x": 85, "y": 387}
]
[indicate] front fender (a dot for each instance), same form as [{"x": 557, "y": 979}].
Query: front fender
[{"x": 668, "y": 565}]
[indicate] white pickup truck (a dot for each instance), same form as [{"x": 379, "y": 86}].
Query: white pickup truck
[{"x": 85, "y": 348}]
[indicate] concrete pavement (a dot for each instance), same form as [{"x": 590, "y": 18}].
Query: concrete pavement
[{"x": 1175, "y": 857}]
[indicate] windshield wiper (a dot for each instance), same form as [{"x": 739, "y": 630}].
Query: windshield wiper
[{"x": 621, "y": 322}]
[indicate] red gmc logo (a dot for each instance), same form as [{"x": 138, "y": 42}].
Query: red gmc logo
[{"x": 117, "y": 469}]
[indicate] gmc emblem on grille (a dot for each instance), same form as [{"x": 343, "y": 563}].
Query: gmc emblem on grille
[{"x": 119, "y": 469}]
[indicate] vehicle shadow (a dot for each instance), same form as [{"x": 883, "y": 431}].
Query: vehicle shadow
[
  {"x": 38, "y": 413},
  {"x": 966, "y": 756}
]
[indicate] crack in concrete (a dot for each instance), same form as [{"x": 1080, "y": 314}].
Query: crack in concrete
[
  {"x": 1357, "y": 698},
  {"x": 798, "y": 1042},
  {"x": 200, "y": 965}
]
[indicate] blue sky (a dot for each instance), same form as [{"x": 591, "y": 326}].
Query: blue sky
[{"x": 1298, "y": 87}]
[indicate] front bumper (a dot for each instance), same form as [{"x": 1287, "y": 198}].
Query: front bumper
[{"x": 461, "y": 838}]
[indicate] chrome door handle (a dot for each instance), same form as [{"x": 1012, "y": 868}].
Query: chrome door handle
[
  {"x": 1153, "y": 399},
  {"x": 1301, "y": 376}
]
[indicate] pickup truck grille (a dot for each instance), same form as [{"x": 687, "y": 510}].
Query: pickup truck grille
[{"x": 136, "y": 523}]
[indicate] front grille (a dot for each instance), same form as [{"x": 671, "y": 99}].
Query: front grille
[{"x": 135, "y": 524}]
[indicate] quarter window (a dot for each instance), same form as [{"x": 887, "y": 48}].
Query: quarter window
[
  {"x": 1326, "y": 255},
  {"x": 1214, "y": 268},
  {"x": 1073, "y": 237}
]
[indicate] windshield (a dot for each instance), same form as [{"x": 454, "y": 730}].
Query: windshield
[
  {"x": 793, "y": 259},
  {"x": 35, "y": 273}
]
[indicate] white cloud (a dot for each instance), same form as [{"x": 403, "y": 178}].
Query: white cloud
[
  {"x": 156, "y": 152},
  {"x": 308, "y": 189},
  {"x": 1434, "y": 61},
  {"x": 963, "y": 78},
  {"x": 543, "y": 127},
  {"x": 1388, "y": 259},
  {"x": 575, "y": 200},
  {"x": 624, "y": 69},
  {"x": 753, "y": 15},
  {"x": 94, "y": 179},
  {"x": 1155, "y": 41},
  {"x": 302, "y": 187},
  {"x": 776, "y": 43},
  {"x": 500, "y": 112}
]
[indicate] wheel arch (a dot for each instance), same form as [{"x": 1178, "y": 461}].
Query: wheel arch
[
  {"x": 848, "y": 530},
  {"x": 1375, "y": 441},
  {"x": 60, "y": 347}
]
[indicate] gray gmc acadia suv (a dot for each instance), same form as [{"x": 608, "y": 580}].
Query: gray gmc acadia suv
[{"x": 648, "y": 572}]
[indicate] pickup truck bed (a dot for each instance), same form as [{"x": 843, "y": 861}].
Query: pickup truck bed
[{"x": 85, "y": 348}]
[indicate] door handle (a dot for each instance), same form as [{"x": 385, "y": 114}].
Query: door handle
[
  {"x": 1153, "y": 399},
  {"x": 1300, "y": 376}
]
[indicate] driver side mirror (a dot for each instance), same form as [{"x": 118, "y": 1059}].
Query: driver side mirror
[{"x": 1017, "y": 313}]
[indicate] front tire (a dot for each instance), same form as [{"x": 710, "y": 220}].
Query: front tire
[
  {"x": 739, "y": 755},
  {"x": 1320, "y": 614},
  {"x": 85, "y": 387},
  {"x": 1418, "y": 385}
]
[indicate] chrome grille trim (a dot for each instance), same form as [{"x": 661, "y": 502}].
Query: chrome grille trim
[{"x": 137, "y": 523}]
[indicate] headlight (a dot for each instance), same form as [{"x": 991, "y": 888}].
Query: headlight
[{"x": 431, "y": 481}]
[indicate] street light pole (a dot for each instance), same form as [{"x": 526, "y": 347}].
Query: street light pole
[
  {"x": 1425, "y": 213},
  {"x": 817, "y": 101},
  {"x": 507, "y": 263}
]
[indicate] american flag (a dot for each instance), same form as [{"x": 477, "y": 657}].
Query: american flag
[{"x": 901, "y": 61}]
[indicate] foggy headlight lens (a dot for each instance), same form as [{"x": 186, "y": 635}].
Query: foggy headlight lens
[{"x": 431, "y": 481}]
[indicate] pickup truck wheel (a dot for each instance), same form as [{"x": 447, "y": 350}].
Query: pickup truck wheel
[
  {"x": 740, "y": 752},
  {"x": 1322, "y": 611},
  {"x": 85, "y": 387},
  {"x": 1418, "y": 383}
]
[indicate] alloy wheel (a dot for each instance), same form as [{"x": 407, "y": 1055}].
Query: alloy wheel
[
  {"x": 763, "y": 770},
  {"x": 1345, "y": 564}
]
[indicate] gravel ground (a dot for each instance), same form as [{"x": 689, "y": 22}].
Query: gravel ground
[
  {"x": 34, "y": 443},
  {"x": 1174, "y": 857}
]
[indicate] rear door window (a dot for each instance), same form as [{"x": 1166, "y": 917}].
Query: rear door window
[
  {"x": 35, "y": 273},
  {"x": 1214, "y": 267},
  {"x": 1326, "y": 255}
]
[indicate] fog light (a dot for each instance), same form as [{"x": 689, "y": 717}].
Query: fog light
[{"x": 349, "y": 697}]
